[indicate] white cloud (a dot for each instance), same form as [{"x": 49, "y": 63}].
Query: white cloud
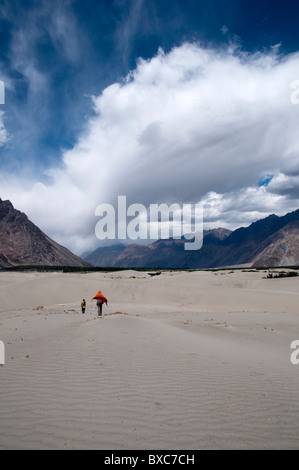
[
  {"x": 183, "y": 126},
  {"x": 3, "y": 131},
  {"x": 243, "y": 206}
]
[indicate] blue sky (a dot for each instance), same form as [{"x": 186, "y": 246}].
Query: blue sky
[{"x": 69, "y": 67}]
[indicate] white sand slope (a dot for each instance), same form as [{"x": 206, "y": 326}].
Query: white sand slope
[{"x": 180, "y": 361}]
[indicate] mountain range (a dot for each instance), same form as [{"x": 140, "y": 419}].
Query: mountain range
[
  {"x": 23, "y": 243},
  {"x": 273, "y": 241}
]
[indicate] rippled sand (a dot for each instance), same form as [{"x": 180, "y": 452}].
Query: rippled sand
[{"x": 180, "y": 361}]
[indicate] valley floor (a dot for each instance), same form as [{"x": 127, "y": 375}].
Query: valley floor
[{"x": 198, "y": 360}]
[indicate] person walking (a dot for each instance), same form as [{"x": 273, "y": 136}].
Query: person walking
[
  {"x": 83, "y": 306},
  {"x": 101, "y": 299}
]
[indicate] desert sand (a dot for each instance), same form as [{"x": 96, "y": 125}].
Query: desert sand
[{"x": 181, "y": 360}]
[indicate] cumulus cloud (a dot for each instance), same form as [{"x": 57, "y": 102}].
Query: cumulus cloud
[
  {"x": 242, "y": 207},
  {"x": 195, "y": 124}
]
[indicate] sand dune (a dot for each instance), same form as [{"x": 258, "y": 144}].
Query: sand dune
[{"x": 180, "y": 361}]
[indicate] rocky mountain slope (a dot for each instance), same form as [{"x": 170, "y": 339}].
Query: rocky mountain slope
[
  {"x": 282, "y": 248},
  {"x": 23, "y": 243}
]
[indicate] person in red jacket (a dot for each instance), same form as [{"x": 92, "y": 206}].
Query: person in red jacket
[{"x": 101, "y": 299}]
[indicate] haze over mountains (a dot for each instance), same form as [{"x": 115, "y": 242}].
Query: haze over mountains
[
  {"x": 23, "y": 243},
  {"x": 273, "y": 241}
]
